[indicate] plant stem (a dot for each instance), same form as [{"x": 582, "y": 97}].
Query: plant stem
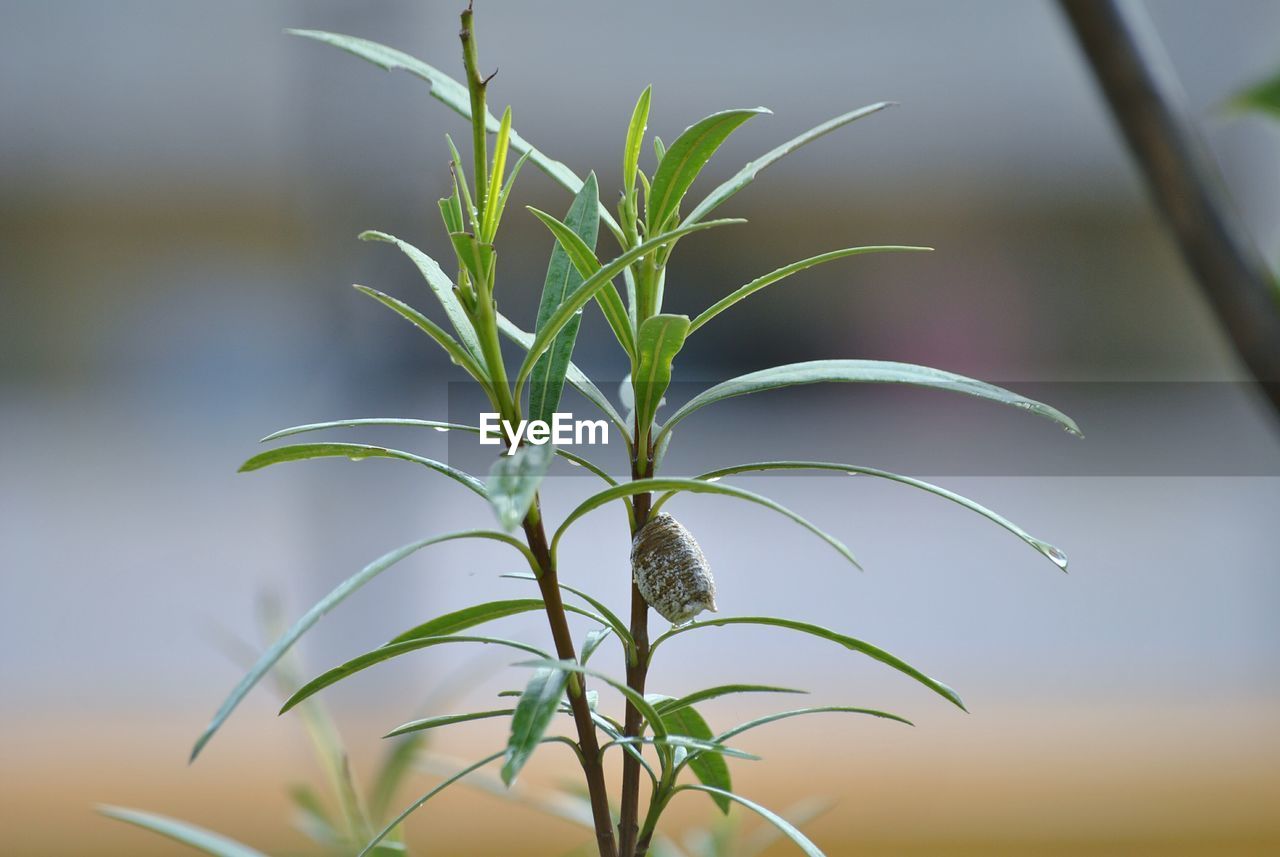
[
  {"x": 592, "y": 768},
  {"x": 479, "y": 114},
  {"x": 637, "y": 672}
]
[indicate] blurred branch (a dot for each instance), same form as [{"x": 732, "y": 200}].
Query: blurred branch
[{"x": 1147, "y": 102}]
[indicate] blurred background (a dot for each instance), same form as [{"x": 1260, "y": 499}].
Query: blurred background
[{"x": 180, "y": 190}]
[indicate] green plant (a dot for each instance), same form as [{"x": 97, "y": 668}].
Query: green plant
[{"x": 661, "y": 738}]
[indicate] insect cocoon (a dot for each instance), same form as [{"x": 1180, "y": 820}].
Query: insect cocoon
[{"x": 671, "y": 572}]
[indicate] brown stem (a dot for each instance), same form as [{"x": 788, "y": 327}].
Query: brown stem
[
  {"x": 536, "y": 535},
  {"x": 637, "y": 673}
]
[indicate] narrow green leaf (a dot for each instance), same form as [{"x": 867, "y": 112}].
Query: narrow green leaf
[
  {"x": 441, "y": 286},
  {"x": 500, "y": 147},
  {"x": 642, "y": 705},
  {"x": 1056, "y": 556},
  {"x": 673, "y": 705},
  {"x": 786, "y": 271},
  {"x": 339, "y": 594},
  {"x": 584, "y": 262},
  {"x": 660, "y": 340},
  {"x": 474, "y": 255},
  {"x": 686, "y": 157},
  {"x": 457, "y": 353},
  {"x": 747, "y": 174},
  {"x": 575, "y": 376},
  {"x": 514, "y": 480},
  {"x": 801, "y": 841},
  {"x": 546, "y": 382},
  {"x": 454, "y": 95},
  {"x": 470, "y": 617},
  {"x": 619, "y": 627},
  {"x": 851, "y": 643},
  {"x": 534, "y": 711},
  {"x": 180, "y": 831},
  {"x": 386, "y": 653},
  {"x": 593, "y": 284},
  {"x": 684, "y": 742},
  {"x": 426, "y": 723},
  {"x": 863, "y": 372},
  {"x": 825, "y": 709},
  {"x": 693, "y": 486},
  {"x": 356, "y": 452},
  {"x": 595, "y": 637},
  {"x": 659, "y": 149},
  {"x": 710, "y": 768},
  {"x": 635, "y": 139}
]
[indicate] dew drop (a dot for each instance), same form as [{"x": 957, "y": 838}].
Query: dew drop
[
  {"x": 1054, "y": 554},
  {"x": 357, "y": 457},
  {"x": 440, "y": 428},
  {"x": 572, "y": 462},
  {"x": 715, "y": 479}
]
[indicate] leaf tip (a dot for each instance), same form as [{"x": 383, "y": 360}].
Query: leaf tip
[{"x": 375, "y": 235}]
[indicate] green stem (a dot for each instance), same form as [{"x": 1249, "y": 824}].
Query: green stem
[{"x": 479, "y": 114}]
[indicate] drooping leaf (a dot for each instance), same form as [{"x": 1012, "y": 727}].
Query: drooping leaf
[
  {"x": 534, "y": 711},
  {"x": 801, "y": 841},
  {"x": 339, "y": 594},
  {"x": 593, "y": 284},
  {"x": 355, "y": 452},
  {"x": 786, "y": 271},
  {"x": 863, "y": 372},
  {"x": 660, "y": 340},
  {"x": 441, "y": 286},
  {"x": 711, "y": 769},
  {"x": 457, "y": 353},
  {"x": 685, "y": 158},
  {"x": 1056, "y": 556},
  {"x": 798, "y": 712},
  {"x": 469, "y": 617},
  {"x": 181, "y": 831},
  {"x": 851, "y": 643},
  {"x": 674, "y": 705},
  {"x": 514, "y": 480},
  {"x": 642, "y": 705},
  {"x": 546, "y": 382},
  {"x": 575, "y": 376},
  {"x": 692, "y": 486},
  {"x": 386, "y": 653},
  {"x": 426, "y": 723},
  {"x": 454, "y": 95},
  {"x": 584, "y": 262},
  {"x": 747, "y": 174}
]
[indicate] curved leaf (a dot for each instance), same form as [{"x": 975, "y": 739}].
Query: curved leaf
[
  {"x": 533, "y": 715},
  {"x": 787, "y": 270},
  {"x": 469, "y": 617},
  {"x": 355, "y": 452},
  {"x": 426, "y": 723},
  {"x": 773, "y": 818},
  {"x": 635, "y": 139},
  {"x": 457, "y": 353},
  {"x": 825, "y": 709},
  {"x": 619, "y": 627},
  {"x": 593, "y": 284},
  {"x": 181, "y": 831},
  {"x": 848, "y": 642},
  {"x": 660, "y": 340},
  {"x": 454, "y": 95},
  {"x": 440, "y": 285},
  {"x": 863, "y": 372},
  {"x": 386, "y": 653},
  {"x": 1056, "y": 556},
  {"x": 339, "y": 594},
  {"x": 711, "y": 769},
  {"x": 595, "y": 637},
  {"x": 546, "y": 382},
  {"x": 674, "y": 705},
  {"x": 693, "y": 486},
  {"x": 747, "y": 174},
  {"x": 575, "y": 376},
  {"x": 685, "y": 158},
  {"x": 687, "y": 743}
]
